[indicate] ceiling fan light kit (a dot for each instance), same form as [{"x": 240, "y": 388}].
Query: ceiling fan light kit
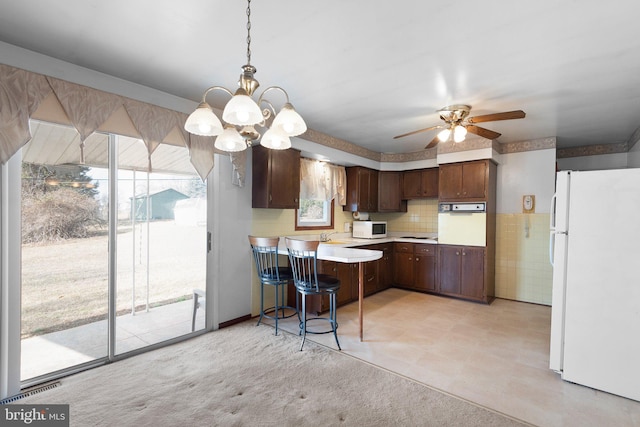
[
  {"x": 241, "y": 114},
  {"x": 444, "y": 135},
  {"x": 459, "y": 133},
  {"x": 458, "y": 124}
]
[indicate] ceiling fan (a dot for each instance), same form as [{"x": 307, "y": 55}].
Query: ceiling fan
[{"x": 458, "y": 124}]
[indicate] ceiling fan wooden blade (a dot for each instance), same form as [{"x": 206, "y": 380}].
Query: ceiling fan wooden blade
[
  {"x": 485, "y": 133},
  {"x": 507, "y": 115},
  {"x": 433, "y": 143},
  {"x": 416, "y": 131}
]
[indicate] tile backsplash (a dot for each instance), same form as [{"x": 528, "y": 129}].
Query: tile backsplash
[
  {"x": 523, "y": 271},
  {"x": 421, "y": 217}
]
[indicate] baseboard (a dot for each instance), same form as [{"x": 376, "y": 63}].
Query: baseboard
[{"x": 234, "y": 321}]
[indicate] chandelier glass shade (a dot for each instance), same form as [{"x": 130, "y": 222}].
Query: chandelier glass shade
[
  {"x": 230, "y": 140},
  {"x": 241, "y": 114},
  {"x": 242, "y": 110},
  {"x": 203, "y": 121}
]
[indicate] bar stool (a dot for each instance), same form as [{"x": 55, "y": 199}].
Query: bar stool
[
  {"x": 265, "y": 255},
  {"x": 303, "y": 257}
]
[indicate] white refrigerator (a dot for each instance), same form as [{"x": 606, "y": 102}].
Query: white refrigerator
[{"x": 595, "y": 252}]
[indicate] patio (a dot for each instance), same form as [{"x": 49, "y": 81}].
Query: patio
[{"x": 51, "y": 352}]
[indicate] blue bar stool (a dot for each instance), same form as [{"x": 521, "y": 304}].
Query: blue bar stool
[{"x": 265, "y": 255}]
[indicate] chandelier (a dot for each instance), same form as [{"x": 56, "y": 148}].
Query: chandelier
[{"x": 242, "y": 114}]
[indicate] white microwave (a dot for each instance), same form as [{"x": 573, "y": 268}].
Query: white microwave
[{"x": 370, "y": 229}]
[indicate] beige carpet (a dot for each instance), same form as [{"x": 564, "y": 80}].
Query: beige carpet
[{"x": 246, "y": 376}]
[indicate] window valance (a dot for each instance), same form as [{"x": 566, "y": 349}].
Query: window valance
[
  {"x": 87, "y": 109},
  {"x": 323, "y": 181}
]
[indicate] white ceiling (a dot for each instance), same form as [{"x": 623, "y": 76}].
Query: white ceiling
[{"x": 364, "y": 71}]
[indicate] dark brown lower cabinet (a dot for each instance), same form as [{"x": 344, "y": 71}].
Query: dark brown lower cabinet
[
  {"x": 461, "y": 271},
  {"x": 403, "y": 263},
  {"x": 457, "y": 271},
  {"x": 415, "y": 266},
  {"x": 385, "y": 266},
  {"x": 425, "y": 267}
]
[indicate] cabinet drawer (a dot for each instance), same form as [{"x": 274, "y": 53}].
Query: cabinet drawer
[
  {"x": 403, "y": 247},
  {"x": 428, "y": 250}
]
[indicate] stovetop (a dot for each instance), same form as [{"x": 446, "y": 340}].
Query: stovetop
[{"x": 421, "y": 238}]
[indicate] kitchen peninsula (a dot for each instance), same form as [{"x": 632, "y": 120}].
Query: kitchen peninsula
[{"x": 343, "y": 254}]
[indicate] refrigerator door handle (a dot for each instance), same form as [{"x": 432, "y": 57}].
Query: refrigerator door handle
[
  {"x": 552, "y": 241},
  {"x": 552, "y": 212}
]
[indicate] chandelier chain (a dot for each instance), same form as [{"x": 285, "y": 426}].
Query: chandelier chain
[{"x": 248, "y": 31}]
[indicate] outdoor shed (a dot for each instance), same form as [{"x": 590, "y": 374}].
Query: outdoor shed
[{"x": 161, "y": 205}]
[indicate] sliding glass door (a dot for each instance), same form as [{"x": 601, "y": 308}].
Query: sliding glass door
[
  {"x": 157, "y": 245},
  {"x": 161, "y": 246},
  {"x": 64, "y": 252}
]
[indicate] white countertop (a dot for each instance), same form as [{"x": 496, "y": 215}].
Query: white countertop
[
  {"x": 339, "y": 253},
  {"x": 343, "y": 248}
]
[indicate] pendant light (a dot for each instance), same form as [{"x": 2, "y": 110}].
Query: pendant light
[{"x": 242, "y": 114}]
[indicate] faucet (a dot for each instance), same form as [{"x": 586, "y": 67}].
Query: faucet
[{"x": 324, "y": 237}]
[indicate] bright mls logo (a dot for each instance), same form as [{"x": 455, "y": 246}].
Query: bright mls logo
[{"x": 35, "y": 415}]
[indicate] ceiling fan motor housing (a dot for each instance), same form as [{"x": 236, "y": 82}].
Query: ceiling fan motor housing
[{"x": 454, "y": 114}]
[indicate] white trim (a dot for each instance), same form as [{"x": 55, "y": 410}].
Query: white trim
[{"x": 10, "y": 276}]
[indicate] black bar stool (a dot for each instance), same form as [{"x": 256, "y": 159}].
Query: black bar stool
[
  {"x": 265, "y": 255},
  {"x": 303, "y": 257}
]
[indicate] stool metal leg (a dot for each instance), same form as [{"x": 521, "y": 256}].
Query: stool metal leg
[
  {"x": 277, "y": 305},
  {"x": 261, "y": 302},
  {"x": 334, "y": 318},
  {"x": 303, "y": 329}
]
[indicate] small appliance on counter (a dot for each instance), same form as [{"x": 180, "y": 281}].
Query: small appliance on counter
[{"x": 370, "y": 229}]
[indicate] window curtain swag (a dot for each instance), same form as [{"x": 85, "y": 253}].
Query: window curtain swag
[
  {"x": 323, "y": 181},
  {"x": 21, "y": 93}
]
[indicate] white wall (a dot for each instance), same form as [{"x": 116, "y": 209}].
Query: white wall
[
  {"x": 633, "y": 157},
  {"x": 519, "y": 174},
  {"x": 600, "y": 162},
  {"x": 230, "y": 227}
]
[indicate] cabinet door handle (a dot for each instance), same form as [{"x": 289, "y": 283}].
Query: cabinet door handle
[
  {"x": 464, "y": 253},
  {"x": 410, "y": 259},
  {"x": 457, "y": 253}
]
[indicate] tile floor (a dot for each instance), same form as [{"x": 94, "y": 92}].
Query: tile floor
[{"x": 494, "y": 355}]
